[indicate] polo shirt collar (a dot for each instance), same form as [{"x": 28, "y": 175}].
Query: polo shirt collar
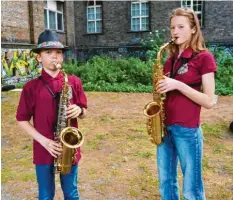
[
  {"x": 47, "y": 77},
  {"x": 187, "y": 53}
]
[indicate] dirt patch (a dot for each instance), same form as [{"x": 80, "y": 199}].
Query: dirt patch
[
  {"x": 118, "y": 161},
  {"x": 222, "y": 112}
]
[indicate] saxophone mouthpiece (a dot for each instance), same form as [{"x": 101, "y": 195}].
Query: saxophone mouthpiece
[
  {"x": 58, "y": 65},
  {"x": 173, "y": 40}
]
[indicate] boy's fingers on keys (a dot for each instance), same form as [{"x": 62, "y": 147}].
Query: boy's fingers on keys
[{"x": 55, "y": 153}]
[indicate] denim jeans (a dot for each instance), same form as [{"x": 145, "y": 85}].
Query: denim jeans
[
  {"x": 185, "y": 144},
  {"x": 46, "y": 183}
]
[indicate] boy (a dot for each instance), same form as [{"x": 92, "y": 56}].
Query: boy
[{"x": 38, "y": 100}]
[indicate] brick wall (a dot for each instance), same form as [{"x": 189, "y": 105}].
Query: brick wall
[
  {"x": 116, "y": 24},
  {"x": 23, "y": 21},
  {"x": 218, "y": 23},
  {"x": 69, "y": 24},
  {"x": 15, "y": 22},
  {"x": 37, "y": 18}
]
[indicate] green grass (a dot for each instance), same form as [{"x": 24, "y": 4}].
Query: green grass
[
  {"x": 28, "y": 176},
  {"x": 144, "y": 154},
  {"x": 214, "y": 130},
  {"x": 7, "y": 174},
  {"x": 133, "y": 192},
  {"x": 205, "y": 163},
  {"x": 93, "y": 144},
  {"x": 218, "y": 148},
  {"x": 92, "y": 172},
  {"x": 100, "y": 137}
]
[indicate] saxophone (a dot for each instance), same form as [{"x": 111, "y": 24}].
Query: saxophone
[
  {"x": 154, "y": 110},
  {"x": 69, "y": 137}
]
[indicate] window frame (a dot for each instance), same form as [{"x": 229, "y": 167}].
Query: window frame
[
  {"x": 201, "y": 12},
  {"x": 56, "y": 11},
  {"x": 140, "y": 16},
  {"x": 95, "y": 20}
]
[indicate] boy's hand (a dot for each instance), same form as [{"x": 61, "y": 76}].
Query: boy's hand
[
  {"x": 54, "y": 148},
  {"x": 73, "y": 111}
]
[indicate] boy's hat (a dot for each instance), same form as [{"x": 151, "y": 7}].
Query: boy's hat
[{"x": 49, "y": 40}]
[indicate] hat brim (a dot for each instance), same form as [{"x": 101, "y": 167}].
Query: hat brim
[{"x": 37, "y": 50}]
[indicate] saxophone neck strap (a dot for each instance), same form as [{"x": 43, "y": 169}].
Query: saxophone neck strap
[
  {"x": 55, "y": 96},
  {"x": 183, "y": 61}
]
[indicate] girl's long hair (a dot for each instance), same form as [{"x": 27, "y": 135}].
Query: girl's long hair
[{"x": 197, "y": 42}]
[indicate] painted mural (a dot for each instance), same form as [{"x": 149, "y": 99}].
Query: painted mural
[{"x": 18, "y": 66}]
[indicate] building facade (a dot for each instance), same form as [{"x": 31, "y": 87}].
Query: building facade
[
  {"x": 100, "y": 27},
  {"x": 119, "y": 26},
  {"x": 21, "y": 24},
  {"x": 23, "y": 21}
]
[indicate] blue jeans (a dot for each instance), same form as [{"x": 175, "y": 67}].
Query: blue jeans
[
  {"x": 185, "y": 144},
  {"x": 46, "y": 183}
]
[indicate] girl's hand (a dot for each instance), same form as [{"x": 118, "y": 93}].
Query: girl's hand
[
  {"x": 54, "y": 148},
  {"x": 73, "y": 111},
  {"x": 166, "y": 84}
]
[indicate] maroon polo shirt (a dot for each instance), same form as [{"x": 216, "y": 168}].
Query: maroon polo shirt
[
  {"x": 37, "y": 102},
  {"x": 178, "y": 108}
]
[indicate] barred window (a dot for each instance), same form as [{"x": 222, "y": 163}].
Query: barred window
[
  {"x": 53, "y": 15},
  {"x": 197, "y": 6},
  {"x": 139, "y": 16},
  {"x": 94, "y": 17}
]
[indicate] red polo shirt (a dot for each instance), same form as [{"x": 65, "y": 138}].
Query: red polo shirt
[
  {"x": 180, "y": 109},
  {"x": 37, "y": 102}
]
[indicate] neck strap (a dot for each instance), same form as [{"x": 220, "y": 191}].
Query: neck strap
[{"x": 50, "y": 91}]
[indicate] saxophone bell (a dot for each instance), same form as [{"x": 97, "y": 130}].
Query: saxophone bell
[
  {"x": 71, "y": 137},
  {"x": 152, "y": 109},
  {"x": 155, "y": 126}
]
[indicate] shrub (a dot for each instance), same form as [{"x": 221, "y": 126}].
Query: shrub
[{"x": 224, "y": 75}]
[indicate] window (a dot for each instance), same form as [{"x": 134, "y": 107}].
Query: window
[
  {"x": 139, "y": 16},
  {"x": 53, "y": 15},
  {"x": 94, "y": 17},
  {"x": 197, "y": 6}
]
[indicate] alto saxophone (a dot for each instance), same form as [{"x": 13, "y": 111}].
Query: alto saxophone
[
  {"x": 69, "y": 137},
  {"x": 154, "y": 110}
]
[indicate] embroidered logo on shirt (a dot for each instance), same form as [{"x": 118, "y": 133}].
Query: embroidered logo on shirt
[{"x": 183, "y": 69}]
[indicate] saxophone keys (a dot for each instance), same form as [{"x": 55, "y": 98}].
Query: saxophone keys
[{"x": 63, "y": 124}]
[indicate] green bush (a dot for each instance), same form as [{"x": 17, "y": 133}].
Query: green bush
[
  {"x": 134, "y": 75},
  {"x": 153, "y": 43},
  {"x": 224, "y": 75},
  {"x": 120, "y": 75}
]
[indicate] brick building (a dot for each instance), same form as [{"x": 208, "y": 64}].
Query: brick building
[
  {"x": 120, "y": 25},
  {"x": 97, "y": 27},
  {"x": 23, "y": 21},
  {"x": 21, "y": 24}
]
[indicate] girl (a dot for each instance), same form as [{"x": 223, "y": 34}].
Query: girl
[{"x": 189, "y": 68}]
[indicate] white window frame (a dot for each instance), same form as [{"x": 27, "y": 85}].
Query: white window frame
[
  {"x": 140, "y": 16},
  {"x": 95, "y": 6},
  {"x": 47, "y": 9},
  {"x": 184, "y": 4}
]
